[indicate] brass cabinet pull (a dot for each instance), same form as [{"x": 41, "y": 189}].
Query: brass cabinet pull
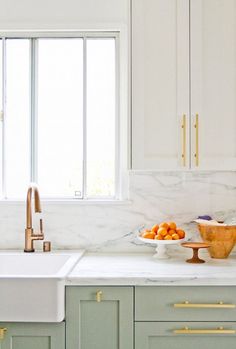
[
  {"x": 99, "y": 296},
  {"x": 220, "y": 305},
  {"x": 2, "y": 332},
  {"x": 196, "y": 126},
  {"x": 219, "y": 330},
  {"x": 183, "y": 126}
]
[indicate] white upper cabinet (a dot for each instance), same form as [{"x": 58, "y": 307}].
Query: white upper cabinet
[
  {"x": 213, "y": 83},
  {"x": 160, "y": 83},
  {"x": 184, "y": 68}
]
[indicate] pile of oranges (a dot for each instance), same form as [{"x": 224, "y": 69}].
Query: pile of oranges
[{"x": 164, "y": 231}]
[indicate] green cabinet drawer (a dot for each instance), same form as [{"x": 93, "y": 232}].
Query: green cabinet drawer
[
  {"x": 99, "y": 317},
  {"x": 153, "y": 335},
  {"x": 33, "y": 336},
  {"x": 177, "y": 303}
]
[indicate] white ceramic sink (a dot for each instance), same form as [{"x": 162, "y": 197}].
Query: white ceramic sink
[{"x": 32, "y": 286}]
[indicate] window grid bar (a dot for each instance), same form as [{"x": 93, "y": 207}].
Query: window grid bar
[
  {"x": 4, "y": 118},
  {"x": 33, "y": 111},
  {"x": 57, "y": 34},
  {"x": 84, "y": 184},
  {"x": 117, "y": 120}
]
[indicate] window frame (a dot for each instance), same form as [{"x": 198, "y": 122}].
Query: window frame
[{"x": 84, "y": 35}]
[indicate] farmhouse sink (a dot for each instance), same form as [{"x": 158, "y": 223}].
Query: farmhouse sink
[{"x": 32, "y": 286}]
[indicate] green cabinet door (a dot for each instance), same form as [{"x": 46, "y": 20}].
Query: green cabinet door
[
  {"x": 160, "y": 335},
  {"x": 99, "y": 317},
  {"x": 33, "y": 336},
  {"x": 158, "y": 303}
]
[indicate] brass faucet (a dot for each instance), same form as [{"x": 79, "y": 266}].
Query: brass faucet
[{"x": 29, "y": 231}]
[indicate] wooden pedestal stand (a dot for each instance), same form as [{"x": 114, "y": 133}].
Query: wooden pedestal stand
[{"x": 195, "y": 246}]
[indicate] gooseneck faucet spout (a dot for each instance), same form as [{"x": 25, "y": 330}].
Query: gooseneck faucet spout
[{"x": 29, "y": 231}]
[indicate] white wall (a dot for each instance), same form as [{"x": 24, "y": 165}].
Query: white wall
[{"x": 62, "y": 14}]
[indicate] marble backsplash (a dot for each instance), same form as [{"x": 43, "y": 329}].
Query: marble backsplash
[{"x": 154, "y": 197}]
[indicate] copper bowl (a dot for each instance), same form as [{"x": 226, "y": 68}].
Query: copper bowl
[{"x": 221, "y": 238}]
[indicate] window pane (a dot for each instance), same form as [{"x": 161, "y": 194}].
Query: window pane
[
  {"x": 60, "y": 117},
  {"x": 17, "y": 117},
  {"x": 101, "y": 112},
  {"x": 1, "y": 108}
]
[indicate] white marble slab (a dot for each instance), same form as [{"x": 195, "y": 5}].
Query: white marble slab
[
  {"x": 143, "y": 270},
  {"x": 107, "y": 227}
]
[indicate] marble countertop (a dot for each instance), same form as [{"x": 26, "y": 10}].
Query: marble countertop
[{"x": 143, "y": 269}]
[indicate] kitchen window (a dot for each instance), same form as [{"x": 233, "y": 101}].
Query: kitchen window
[{"x": 59, "y": 116}]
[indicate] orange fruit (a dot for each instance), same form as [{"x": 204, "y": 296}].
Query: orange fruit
[
  {"x": 164, "y": 225},
  {"x": 172, "y": 225},
  {"x": 181, "y": 233},
  {"x": 168, "y": 237},
  {"x": 150, "y": 235},
  {"x": 175, "y": 236},
  {"x": 162, "y": 231},
  {"x": 158, "y": 237},
  {"x": 155, "y": 228},
  {"x": 171, "y": 232},
  {"x": 147, "y": 230}
]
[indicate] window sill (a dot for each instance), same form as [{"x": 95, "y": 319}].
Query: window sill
[{"x": 75, "y": 202}]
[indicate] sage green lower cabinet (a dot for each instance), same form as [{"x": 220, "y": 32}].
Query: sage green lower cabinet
[
  {"x": 167, "y": 303},
  {"x": 99, "y": 317},
  {"x": 33, "y": 336},
  {"x": 160, "y": 335}
]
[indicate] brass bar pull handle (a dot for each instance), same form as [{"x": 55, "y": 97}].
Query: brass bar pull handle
[
  {"x": 183, "y": 126},
  {"x": 219, "y": 330},
  {"x": 99, "y": 296},
  {"x": 219, "y": 305},
  {"x": 196, "y": 126},
  {"x": 2, "y": 332}
]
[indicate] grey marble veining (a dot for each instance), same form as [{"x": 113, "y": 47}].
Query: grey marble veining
[
  {"x": 143, "y": 269},
  {"x": 154, "y": 197}
]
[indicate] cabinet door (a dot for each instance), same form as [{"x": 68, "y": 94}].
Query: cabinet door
[
  {"x": 160, "y": 84},
  {"x": 33, "y": 336},
  {"x": 164, "y": 303},
  {"x": 153, "y": 335},
  {"x": 213, "y": 83},
  {"x": 99, "y": 320}
]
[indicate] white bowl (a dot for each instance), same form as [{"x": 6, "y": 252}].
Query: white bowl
[{"x": 161, "y": 252}]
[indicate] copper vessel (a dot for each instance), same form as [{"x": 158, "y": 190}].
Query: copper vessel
[{"x": 221, "y": 238}]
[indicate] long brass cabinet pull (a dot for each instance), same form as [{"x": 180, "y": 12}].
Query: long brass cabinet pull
[
  {"x": 183, "y": 126},
  {"x": 219, "y": 330},
  {"x": 2, "y": 332},
  {"x": 99, "y": 296},
  {"x": 219, "y": 305},
  {"x": 196, "y": 126}
]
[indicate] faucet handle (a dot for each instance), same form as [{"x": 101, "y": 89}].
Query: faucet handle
[
  {"x": 40, "y": 235},
  {"x": 41, "y": 226}
]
